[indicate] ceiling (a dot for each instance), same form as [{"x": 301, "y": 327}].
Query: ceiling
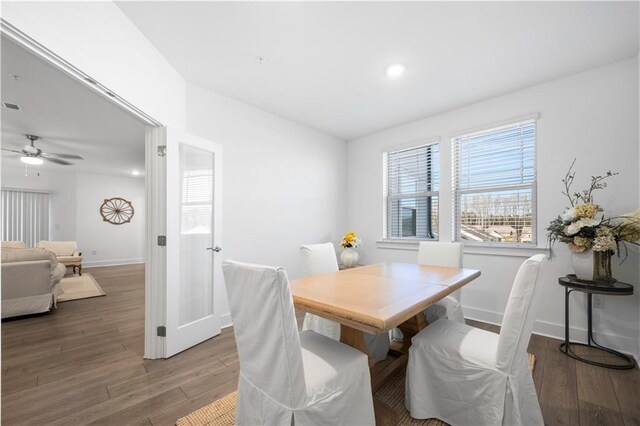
[
  {"x": 324, "y": 62},
  {"x": 69, "y": 117}
]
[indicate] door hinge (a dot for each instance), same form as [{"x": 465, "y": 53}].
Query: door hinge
[
  {"x": 162, "y": 150},
  {"x": 162, "y": 240},
  {"x": 162, "y": 331}
]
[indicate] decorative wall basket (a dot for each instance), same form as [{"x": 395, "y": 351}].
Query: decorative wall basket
[{"x": 116, "y": 211}]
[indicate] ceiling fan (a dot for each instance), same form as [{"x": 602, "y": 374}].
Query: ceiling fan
[{"x": 35, "y": 156}]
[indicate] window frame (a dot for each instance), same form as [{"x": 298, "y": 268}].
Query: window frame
[
  {"x": 457, "y": 193},
  {"x": 388, "y": 199}
]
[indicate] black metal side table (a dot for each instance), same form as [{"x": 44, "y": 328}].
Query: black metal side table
[{"x": 571, "y": 283}]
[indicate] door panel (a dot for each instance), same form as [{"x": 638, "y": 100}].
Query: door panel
[{"x": 193, "y": 229}]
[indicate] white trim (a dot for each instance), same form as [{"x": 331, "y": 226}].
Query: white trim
[
  {"x": 556, "y": 331},
  {"x": 155, "y": 222},
  {"x": 58, "y": 62},
  {"x": 497, "y": 250},
  {"x": 410, "y": 145},
  {"x": 225, "y": 321},
  {"x": 113, "y": 262},
  {"x": 38, "y": 191},
  {"x": 514, "y": 121}
]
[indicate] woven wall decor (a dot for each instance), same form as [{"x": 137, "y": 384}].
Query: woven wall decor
[{"x": 116, "y": 211}]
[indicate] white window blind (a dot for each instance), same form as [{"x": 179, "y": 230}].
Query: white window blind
[
  {"x": 495, "y": 184},
  {"x": 25, "y": 216},
  {"x": 411, "y": 185}
]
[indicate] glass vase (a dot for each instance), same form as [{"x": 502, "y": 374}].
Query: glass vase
[{"x": 602, "y": 266}]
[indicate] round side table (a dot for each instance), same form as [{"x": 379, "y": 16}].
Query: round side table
[{"x": 571, "y": 283}]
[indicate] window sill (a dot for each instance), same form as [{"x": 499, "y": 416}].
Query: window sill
[{"x": 493, "y": 250}]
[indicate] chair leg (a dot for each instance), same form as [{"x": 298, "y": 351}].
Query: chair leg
[{"x": 80, "y": 270}]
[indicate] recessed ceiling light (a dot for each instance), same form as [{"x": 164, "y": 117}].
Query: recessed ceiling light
[
  {"x": 135, "y": 173},
  {"x": 34, "y": 161},
  {"x": 395, "y": 70}
]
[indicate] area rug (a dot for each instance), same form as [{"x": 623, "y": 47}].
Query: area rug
[
  {"x": 79, "y": 287},
  {"x": 223, "y": 411}
]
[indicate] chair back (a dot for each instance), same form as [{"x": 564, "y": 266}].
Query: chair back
[
  {"x": 437, "y": 253},
  {"x": 60, "y": 248},
  {"x": 519, "y": 315},
  {"x": 318, "y": 259},
  {"x": 266, "y": 331},
  {"x": 440, "y": 254}
]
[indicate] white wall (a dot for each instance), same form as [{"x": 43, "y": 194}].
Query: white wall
[
  {"x": 75, "y": 201},
  {"x": 99, "y": 39},
  {"x": 592, "y": 116},
  {"x": 113, "y": 244},
  {"x": 283, "y": 184}
]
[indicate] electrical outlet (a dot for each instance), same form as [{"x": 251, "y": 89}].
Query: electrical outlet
[
  {"x": 598, "y": 301},
  {"x": 94, "y": 252}
]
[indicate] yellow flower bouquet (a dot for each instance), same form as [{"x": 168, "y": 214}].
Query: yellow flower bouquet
[{"x": 350, "y": 240}]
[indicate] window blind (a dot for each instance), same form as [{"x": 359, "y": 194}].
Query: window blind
[
  {"x": 25, "y": 216},
  {"x": 495, "y": 183},
  {"x": 412, "y": 182}
]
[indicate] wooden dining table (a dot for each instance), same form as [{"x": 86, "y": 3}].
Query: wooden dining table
[{"x": 375, "y": 299}]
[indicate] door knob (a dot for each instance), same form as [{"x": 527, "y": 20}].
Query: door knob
[{"x": 217, "y": 249}]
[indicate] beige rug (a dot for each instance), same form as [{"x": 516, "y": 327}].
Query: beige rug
[
  {"x": 79, "y": 287},
  {"x": 223, "y": 411}
]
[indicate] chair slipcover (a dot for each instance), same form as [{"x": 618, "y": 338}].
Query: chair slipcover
[
  {"x": 321, "y": 259},
  {"x": 288, "y": 378},
  {"x": 449, "y": 255},
  {"x": 467, "y": 376}
]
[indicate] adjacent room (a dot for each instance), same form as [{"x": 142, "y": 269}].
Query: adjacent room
[{"x": 329, "y": 213}]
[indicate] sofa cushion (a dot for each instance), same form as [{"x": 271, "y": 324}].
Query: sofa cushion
[
  {"x": 10, "y": 255},
  {"x": 60, "y": 248},
  {"x": 70, "y": 260},
  {"x": 13, "y": 244}
]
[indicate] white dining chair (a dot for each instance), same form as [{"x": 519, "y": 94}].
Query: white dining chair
[
  {"x": 288, "y": 377},
  {"x": 467, "y": 376},
  {"x": 321, "y": 259},
  {"x": 449, "y": 255}
]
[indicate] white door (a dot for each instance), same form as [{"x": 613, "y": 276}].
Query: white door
[{"x": 193, "y": 240}]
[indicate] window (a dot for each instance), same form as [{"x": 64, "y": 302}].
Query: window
[
  {"x": 411, "y": 184},
  {"x": 495, "y": 184},
  {"x": 25, "y": 216}
]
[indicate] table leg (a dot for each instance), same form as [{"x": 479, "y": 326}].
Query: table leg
[
  {"x": 410, "y": 328},
  {"x": 385, "y": 416},
  {"x": 354, "y": 338}
]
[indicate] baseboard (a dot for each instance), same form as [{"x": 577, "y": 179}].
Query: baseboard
[
  {"x": 556, "y": 331},
  {"x": 115, "y": 262},
  {"x": 225, "y": 320}
]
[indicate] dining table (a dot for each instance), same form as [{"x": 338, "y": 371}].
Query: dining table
[{"x": 376, "y": 299}]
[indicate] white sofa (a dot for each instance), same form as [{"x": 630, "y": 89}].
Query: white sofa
[{"x": 30, "y": 281}]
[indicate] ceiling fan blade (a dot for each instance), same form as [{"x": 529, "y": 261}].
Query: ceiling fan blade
[
  {"x": 59, "y": 155},
  {"x": 57, "y": 161},
  {"x": 12, "y": 150}
]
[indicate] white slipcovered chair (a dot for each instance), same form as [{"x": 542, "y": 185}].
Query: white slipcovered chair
[
  {"x": 66, "y": 251},
  {"x": 321, "y": 259},
  {"x": 467, "y": 376},
  {"x": 449, "y": 255},
  {"x": 287, "y": 377}
]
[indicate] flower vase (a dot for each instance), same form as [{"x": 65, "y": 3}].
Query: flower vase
[
  {"x": 602, "y": 266},
  {"x": 349, "y": 257},
  {"x": 592, "y": 265},
  {"x": 583, "y": 265}
]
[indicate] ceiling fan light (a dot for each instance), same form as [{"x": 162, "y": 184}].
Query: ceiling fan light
[{"x": 33, "y": 161}]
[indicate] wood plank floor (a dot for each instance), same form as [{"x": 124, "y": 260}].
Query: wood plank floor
[{"x": 82, "y": 364}]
